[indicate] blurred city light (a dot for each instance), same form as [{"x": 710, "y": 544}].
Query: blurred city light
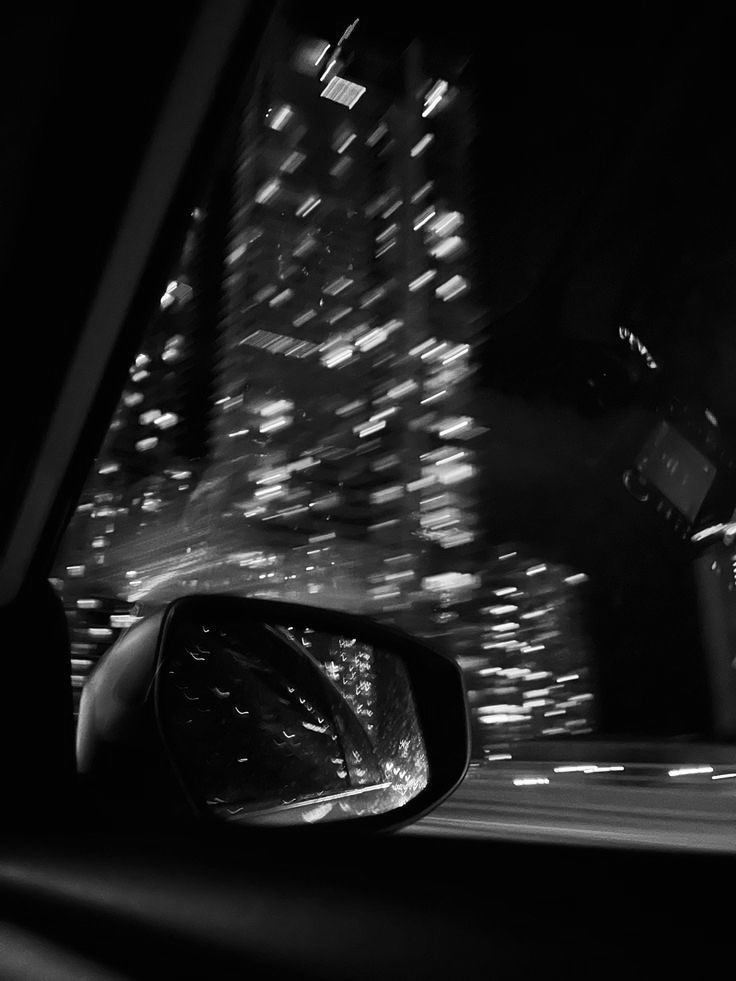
[{"x": 307, "y": 433}]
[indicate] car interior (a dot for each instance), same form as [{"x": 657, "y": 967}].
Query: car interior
[{"x": 115, "y": 859}]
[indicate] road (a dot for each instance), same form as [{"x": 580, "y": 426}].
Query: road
[{"x": 641, "y": 805}]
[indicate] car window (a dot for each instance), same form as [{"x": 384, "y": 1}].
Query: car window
[{"x": 448, "y": 342}]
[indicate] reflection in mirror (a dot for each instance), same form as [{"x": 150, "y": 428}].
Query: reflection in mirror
[{"x": 277, "y": 723}]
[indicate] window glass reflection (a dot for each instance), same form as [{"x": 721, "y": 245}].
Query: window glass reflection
[
  {"x": 264, "y": 721},
  {"x": 452, "y": 352}
]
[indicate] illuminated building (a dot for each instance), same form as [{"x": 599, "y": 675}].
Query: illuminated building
[
  {"x": 345, "y": 346},
  {"x": 298, "y": 420},
  {"x": 148, "y": 463},
  {"x": 531, "y": 677},
  {"x": 94, "y": 624},
  {"x": 159, "y": 429}
]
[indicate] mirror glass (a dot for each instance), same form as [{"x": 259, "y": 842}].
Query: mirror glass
[{"x": 279, "y": 723}]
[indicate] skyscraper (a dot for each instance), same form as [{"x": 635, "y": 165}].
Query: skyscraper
[
  {"x": 298, "y": 421},
  {"x": 344, "y": 346},
  {"x": 148, "y": 464}
]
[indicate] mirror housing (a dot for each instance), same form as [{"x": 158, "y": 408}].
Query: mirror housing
[{"x": 259, "y": 711}]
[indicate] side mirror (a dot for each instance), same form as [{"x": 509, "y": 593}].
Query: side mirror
[{"x": 276, "y": 713}]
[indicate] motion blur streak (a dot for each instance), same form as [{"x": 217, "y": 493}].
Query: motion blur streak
[{"x": 645, "y": 810}]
